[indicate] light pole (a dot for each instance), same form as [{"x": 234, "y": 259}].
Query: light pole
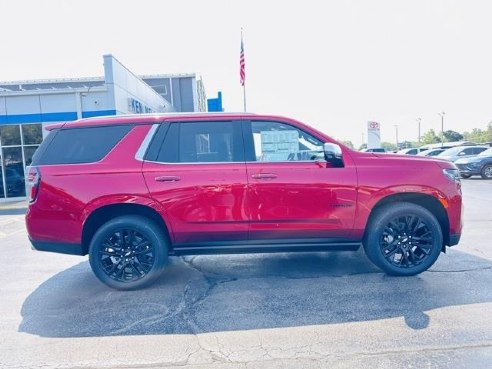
[
  {"x": 396, "y": 130},
  {"x": 442, "y": 128},
  {"x": 418, "y": 121}
]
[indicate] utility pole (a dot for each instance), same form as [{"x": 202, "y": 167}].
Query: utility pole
[
  {"x": 418, "y": 121},
  {"x": 396, "y": 130},
  {"x": 442, "y": 128}
]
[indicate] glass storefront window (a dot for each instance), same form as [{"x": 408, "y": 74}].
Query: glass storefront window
[
  {"x": 10, "y": 135},
  {"x": 32, "y": 134},
  {"x": 14, "y": 171},
  {"x": 16, "y": 140},
  {"x": 2, "y": 192},
  {"x": 28, "y": 153}
]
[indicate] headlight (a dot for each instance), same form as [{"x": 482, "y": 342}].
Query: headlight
[{"x": 452, "y": 174}]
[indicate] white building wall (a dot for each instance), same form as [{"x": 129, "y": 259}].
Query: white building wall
[{"x": 129, "y": 92}]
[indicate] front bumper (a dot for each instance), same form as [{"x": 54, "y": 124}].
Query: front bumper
[
  {"x": 454, "y": 239},
  {"x": 468, "y": 170}
]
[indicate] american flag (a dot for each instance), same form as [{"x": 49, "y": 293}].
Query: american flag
[{"x": 242, "y": 72}]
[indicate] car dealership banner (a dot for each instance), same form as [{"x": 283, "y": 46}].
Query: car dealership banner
[{"x": 373, "y": 135}]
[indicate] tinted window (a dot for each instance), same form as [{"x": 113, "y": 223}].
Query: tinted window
[
  {"x": 202, "y": 142},
  {"x": 274, "y": 142},
  {"x": 79, "y": 145}
]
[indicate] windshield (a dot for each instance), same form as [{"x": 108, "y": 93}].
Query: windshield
[{"x": 487, "y": 152}]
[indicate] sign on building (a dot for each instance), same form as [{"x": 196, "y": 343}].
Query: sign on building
[{"x": 373, "y": 135}]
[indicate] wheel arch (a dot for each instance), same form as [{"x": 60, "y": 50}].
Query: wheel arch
[
  {"x": 105, "y": 213},
  {"x": 428, "y": 202}
]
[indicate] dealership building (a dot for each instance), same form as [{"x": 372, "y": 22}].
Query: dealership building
[{"x": 27, "y": 106}]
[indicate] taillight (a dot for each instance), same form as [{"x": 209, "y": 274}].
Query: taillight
[{"x": 32, "y": 182}]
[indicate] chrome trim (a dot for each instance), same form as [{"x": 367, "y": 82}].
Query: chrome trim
[
  {"x": 238, "y": 162},
  {"x": 145, "y": 143}
]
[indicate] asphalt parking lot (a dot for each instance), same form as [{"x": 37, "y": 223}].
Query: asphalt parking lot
[{"x": 312, "y": 310}]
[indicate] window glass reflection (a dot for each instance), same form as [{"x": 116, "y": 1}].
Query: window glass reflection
[
  {"x": 32, "y": 134},
  {"x": 14, "y": 171},
  {"x": 2, "y": 193},
  {"x": 28, "y": 153},
  {"x": 10, "y": 135}
]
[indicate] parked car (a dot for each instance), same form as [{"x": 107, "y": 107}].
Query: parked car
[
  {"x": 374, "y": 149},
  {"x": 480, "y": 165},
  {"x": 409, "y": 151},
  {"x": 432, "y": 152},
  {"x": 459, "y": 152},
  {"x": 132, "y": 190}
]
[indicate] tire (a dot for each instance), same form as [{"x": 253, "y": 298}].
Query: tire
[
  {"x": 465, "y": 175},
  {"x": 128, "y": 252},
  {"x": 403, "y": 239},
  {"x": 486, "y": 171}
]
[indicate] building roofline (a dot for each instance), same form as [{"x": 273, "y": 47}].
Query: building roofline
[
  {"x": 53, "y": 80},
  {"x": 170, "y": 75}
]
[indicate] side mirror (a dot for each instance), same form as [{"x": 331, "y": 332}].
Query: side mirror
[{"x": 333, "y": 154}]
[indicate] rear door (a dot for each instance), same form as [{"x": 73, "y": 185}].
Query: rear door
[
  {"x": 198, "y": 174},
  {"x": 293, "y": 192}
]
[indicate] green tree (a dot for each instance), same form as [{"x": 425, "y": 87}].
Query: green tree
[
  {"x": 452, "y": 136},
  {"x": 430, "y": 137},
  {"x": 388, "y": 146}
]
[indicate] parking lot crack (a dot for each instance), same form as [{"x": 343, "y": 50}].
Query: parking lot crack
[{"x": 460, "y": 270}]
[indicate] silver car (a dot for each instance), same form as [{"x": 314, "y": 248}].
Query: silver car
[{"x": 459, "y": 152}]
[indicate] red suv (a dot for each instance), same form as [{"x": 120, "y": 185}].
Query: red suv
[{"x": 132, "y": 190}]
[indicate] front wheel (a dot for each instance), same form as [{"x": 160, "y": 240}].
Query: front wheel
[
  {"x": 465, "y": 175},
  {"x": 403, "y": 239},
  {"x": 128, "y": 252},
  {"x": 487, "y": 171}
]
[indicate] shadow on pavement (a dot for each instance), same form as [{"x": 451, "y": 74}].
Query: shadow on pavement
[
  {"x": 242, "y": 292},
  {"x": 13, "y": 211}
]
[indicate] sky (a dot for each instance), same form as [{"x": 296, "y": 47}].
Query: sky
[{"x": 334, "y": 65}]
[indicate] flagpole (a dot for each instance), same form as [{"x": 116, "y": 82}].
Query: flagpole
[
  {"x": 243, "y": 71},
  {"x": 244, "y": 96}
]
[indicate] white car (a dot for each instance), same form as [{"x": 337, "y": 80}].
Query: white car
[
  {"x": 431, "y": 152},
  {"x": 410, "y": 151}
]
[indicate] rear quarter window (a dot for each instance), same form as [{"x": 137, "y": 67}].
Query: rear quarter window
[{"x": 79, "y": 145}]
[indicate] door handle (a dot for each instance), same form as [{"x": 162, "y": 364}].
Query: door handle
[
  {"x": 167, "y": 179},
  {"x": 264, "y": 176}
]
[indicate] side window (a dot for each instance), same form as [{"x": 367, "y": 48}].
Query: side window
[
  {"x": 202, "y": 142},
  {"x": 276, "y": 142},
  {"x": 79, "y": 145}
]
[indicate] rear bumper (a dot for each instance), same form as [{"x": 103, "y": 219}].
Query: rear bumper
[{"x": 58, "y": 247}]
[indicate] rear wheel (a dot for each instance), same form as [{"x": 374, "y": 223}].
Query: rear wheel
[
  {"x": 487, "y": 171},
  {"x": 403, "y": 239},
  {"x": 465, "y": 175},
  {"x": 128, "y": 252}
]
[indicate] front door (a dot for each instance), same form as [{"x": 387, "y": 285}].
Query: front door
[{"x": 293, "y": 192}]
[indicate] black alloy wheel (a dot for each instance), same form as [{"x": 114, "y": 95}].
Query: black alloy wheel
[
  {"x": 128, "y": 252},
  {"x": 126, "y": 255},
  {"x": 403, "y": 239}
]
